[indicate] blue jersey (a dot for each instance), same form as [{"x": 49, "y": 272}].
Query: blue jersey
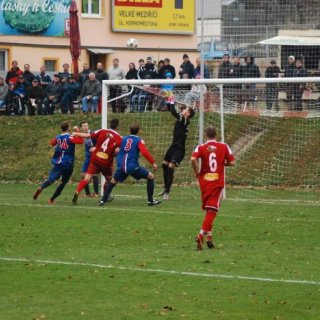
[
  {"x": 88, "y": 144},
  {"x": 64, "y": 152},
  {"x": 128, "y": 156}
]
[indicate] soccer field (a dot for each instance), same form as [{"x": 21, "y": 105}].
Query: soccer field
[{"x": 130, "y": 261}]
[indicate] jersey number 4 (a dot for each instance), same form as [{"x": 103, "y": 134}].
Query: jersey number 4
[
  {"x": 213, "y": 162},
  {"x": 62, "y": 144},
  {"x": 104, "y": 146}
]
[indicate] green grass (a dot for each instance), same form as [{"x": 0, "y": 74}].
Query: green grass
[{"x": 131, "y": 261}]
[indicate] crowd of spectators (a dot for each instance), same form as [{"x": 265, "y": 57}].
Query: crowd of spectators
[{"x": 22, "y": 92}]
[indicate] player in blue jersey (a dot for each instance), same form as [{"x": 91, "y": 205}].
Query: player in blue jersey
[
  {"x": 89, "y": 144},
  {"x": 128, "y": 165},
  {"x": 62, "y": 160}
]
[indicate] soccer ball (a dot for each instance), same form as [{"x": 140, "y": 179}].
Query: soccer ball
[{"x": 132, "y": 43}]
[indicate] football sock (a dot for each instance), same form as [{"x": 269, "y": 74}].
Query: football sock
[
  {"x": 150, "y": 188},
  {"x": 58, "y": 190},
  {"x": 95, "y": 180},
  {"x": 208, "y": 221},
  {"x": 170, "y": 179},
  {"x": 47, "y": 183},
  {"x": 87, "y": 189},
  {"x": 82, "y": 184},
  {"x": 107, "y": 191},
  {"x": 165, "y": 175}
]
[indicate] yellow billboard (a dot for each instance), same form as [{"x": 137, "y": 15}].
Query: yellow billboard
[{"x": 154, "y": 16}]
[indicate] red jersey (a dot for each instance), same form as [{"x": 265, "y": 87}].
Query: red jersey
[
  {"x": 214, "y": 155},
  {"x": 107, "y": 142}
]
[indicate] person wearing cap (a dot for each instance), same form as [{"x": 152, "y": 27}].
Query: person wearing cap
[
  {"x": 167, "y": 67},
  {"x": 36, "y": 94},
  {"x": 289, "y": 72},
  {"x": 272, "y": 89},
  {"x": 300, "y": 72},
  {"x": 3, "y": 92},
  {"x": 53, "y": 94},
  {"x": 21, "y": 94},
  {"x": 148, "y": 70},
  {"x": 186, "y": 67},
  {"x": 13, "y": 73}
]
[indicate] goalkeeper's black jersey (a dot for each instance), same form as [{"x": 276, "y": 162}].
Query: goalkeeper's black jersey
[{"x": 180, "y": 130}]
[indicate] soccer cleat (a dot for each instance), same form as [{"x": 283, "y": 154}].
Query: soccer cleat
[
  {"x": 165, "y": 196},
  {"x": 37, "y": 193},
  {"x": 110, "y": 198},
  {"x": 50, "y": 201},
  {"x": 154, "y": 202},
  {"x": 75, "y": 198},
  {"x": 199, "y": 241},
  {"x": 210, "y": 243},
  {"x": 162, "y": 193},
  {"x": 100, "y": 204}
]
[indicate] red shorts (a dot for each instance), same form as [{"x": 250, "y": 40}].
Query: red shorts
[
  {"x": 96, "y": 167},
  {"x": 211, "y": 197}
]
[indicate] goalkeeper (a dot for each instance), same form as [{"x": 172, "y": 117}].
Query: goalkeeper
[{"x": 176, "y": 151}]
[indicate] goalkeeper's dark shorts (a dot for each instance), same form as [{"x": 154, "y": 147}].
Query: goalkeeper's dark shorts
[{"x": 175, "y": 154}]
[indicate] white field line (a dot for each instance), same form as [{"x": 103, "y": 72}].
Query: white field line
[
  {"x": 105, "y": 209},
  {"x": 174, "y": 272}
]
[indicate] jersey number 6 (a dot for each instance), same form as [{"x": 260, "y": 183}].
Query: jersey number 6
[{"x": 213, "y": 162}]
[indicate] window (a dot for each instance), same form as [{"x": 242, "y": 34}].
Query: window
[
  {"x": 50, "y": 64},
  {"x": 3, "y": 59},
  {"x": 91, "y": 8}
]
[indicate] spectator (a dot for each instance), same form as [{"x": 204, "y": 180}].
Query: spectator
[
  {"x": 70, "y": 91},
  {"x": 148, "y": 71},
  {"x": 289, "y": 72},
  {"x": 43, "y": 77},
  {"x": 12, "y": 103},
  {"x": 197, "y": 70},
  {"x": 84, "y": 74},
  {"x": 65, "y": 73},
  {"x": 300, "y": 71},
  {"x": 100, "y": 73},
  {"x": 116, "y": 72},
  {"x": 90, "y": 93},
  {"x": 36, "y": 94},
  {"x": 141, "y": 63},
  {"x": 140, "y": 99},
  {"x": 195, "y": 94},
  {"x": 21, "y": 94},
  {"x": 132, "y": 72},
  {"x": 12, "y": 75},
  {"x": 3, "y": 92},
  {"x": 186, "y": 67},
  {"x": 53, "y": 94},
  {"x": 250, "y": 70},
  {"x": 167, "y": 67},
  {"x": 160, "y": 64},
  {"x": 27, "y": 75},
  {"x": 225, "y": 68},
  {"x": 236, "y": 73},
  {"x": 272, "y": 89}
]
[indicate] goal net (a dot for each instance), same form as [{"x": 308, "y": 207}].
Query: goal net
[{"x": 275, "y": 139}]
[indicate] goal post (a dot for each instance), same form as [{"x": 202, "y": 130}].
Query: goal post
[{"x": 277, "y": 149}]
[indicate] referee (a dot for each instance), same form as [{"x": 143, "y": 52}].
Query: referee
[{"x": 176, "y": 151}]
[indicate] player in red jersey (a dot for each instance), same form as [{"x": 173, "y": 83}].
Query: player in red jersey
[
  {"x": 108, "y": 142},
  {"x": 214, "y": 157}
]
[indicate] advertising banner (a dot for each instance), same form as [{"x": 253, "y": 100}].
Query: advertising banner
[
  {"x": 154, "y": 16},
  {"x": 34, "y": 17}
]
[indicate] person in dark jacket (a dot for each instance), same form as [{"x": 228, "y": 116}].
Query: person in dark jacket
[
  {"x": 13, "y": 73},
  {"x": 132, "y": 72},
  {"x": 53, "y": 94},
  {"x": 186, "y": 67},
  {"x": 250, "y": 70},
  {"x": 197, "y": 70},
  {"x": 70, "y": 91},
  {"x": 225, "y": 68},
  {"x": 289, "y": 72},
  {"x": 43, "y": 77},
  {"x": 167, "y": 67},
  {"x": 11, "y": 101},
  {"x": 272, "y": 89},
  {"x": 84, "y": 74},
  {"x": 65, "y": 73},
  {"x": 36, "y": 94},
  {"x": 300, "y": 71},
  {"x": 100, "y": 73},
  {"x": 28, "y": 75},
  {"x": 148, "y": 70},
  {"x": 236, "y": 73},
  {"x": 21, "y": 94}
]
